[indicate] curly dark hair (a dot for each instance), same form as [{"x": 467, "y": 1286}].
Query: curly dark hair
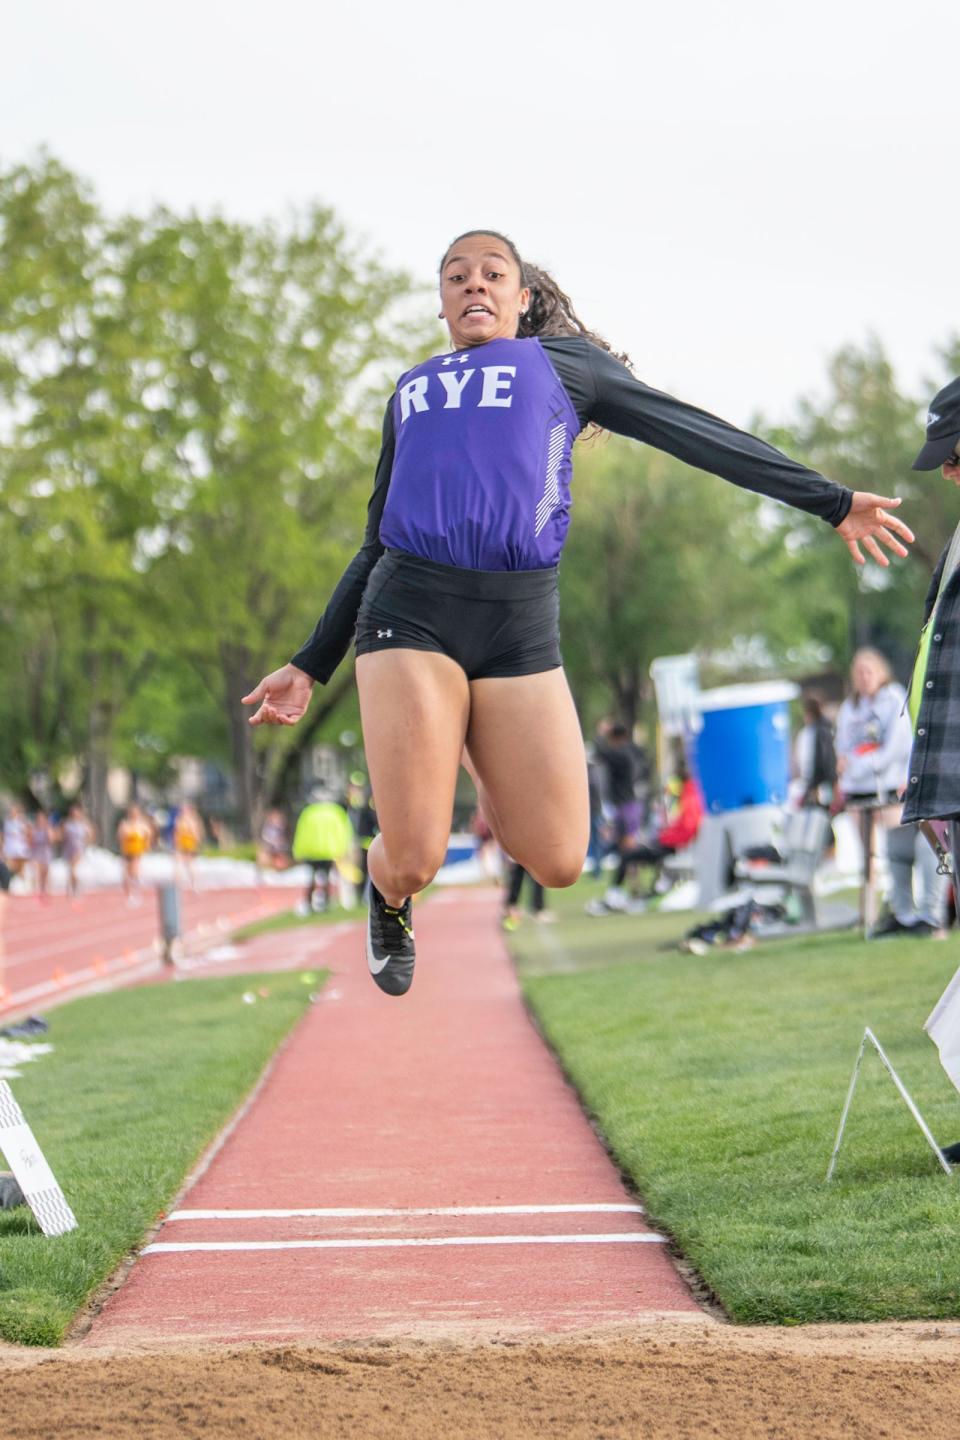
[{"x": 550, "y": 311}]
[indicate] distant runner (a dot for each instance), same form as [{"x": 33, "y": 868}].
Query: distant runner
[
  {"x": 76, "y": 835},
  {"x": 43, "y": 835},
  {"x": 187, "y": 839},
  {"x": 135, "y": 838},
  {"x": 16, "y": 840}
]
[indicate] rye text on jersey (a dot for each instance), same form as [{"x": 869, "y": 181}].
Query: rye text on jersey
[
  {"x": 481, "y": 471},
  {"x": 493, "y": 389}
]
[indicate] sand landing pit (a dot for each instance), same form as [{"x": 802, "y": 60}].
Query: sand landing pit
[{"x": 670, "y": 1380}]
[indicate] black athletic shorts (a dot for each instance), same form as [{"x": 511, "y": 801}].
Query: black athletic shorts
[{"x": 491, "y": 622}]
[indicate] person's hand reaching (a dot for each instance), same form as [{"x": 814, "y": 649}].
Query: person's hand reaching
[
  {"x": 868, "y": 523},
  {"x": 282, "y": 696}
]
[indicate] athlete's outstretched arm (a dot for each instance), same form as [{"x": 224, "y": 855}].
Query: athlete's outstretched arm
[
  {"x": 284, "y": 695},
  {"x": 625, "y": 405},
  {"x": 867, "y": 522}
]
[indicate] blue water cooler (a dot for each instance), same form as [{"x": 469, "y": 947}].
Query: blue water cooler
[{"x": 741, "y": 748}]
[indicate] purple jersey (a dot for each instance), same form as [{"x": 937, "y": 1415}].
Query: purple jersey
[{"x": 481, "y": 473}]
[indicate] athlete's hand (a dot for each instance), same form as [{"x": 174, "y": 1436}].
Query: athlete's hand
[
  {"x": 283, "y": 697},
  {"x": 868, "y": 522}
]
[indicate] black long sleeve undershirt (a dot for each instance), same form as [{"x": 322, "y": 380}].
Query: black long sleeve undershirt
[
  {"x": 602, "y": 390},
  {"x": 333, "y": 633}
]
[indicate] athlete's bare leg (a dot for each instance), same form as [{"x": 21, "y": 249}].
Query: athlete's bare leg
[
  {"x": 414, "y": 707},
  {"x": 525, "y": 747}
]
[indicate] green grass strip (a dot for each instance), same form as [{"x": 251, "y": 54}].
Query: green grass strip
[
  {"x": 718, "y": 1084},
  {"x": 139, "y": 1083},
  {"x": 290, "y": 920}
]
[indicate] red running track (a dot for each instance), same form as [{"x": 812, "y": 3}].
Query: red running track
[
  {"x": 444, "y": 1175},
  {"x": 59, "y": 947}
]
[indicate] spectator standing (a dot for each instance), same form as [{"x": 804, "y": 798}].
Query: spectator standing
[
  {"x": 595, "y": 778},
  {"x": 615, "y": 753},
  {"x": 933, "y": 790},
  {"x": 933, "y": 784},
  {"x": 322, "y": 839},
  {"x": 815, "y": 757},
  {"x": 874, "y": 738},
  {"x": 512, "y": 913},
  {"x": 363, "y": 818},
  {"x": 273, "y": 851}
]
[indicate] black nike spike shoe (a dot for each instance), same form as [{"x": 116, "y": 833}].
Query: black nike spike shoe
[{"x": 391, "y": 953}]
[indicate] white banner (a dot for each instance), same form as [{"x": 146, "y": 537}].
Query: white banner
[
  {"x": 33, "y": 1174},
  {"x": 943, "y": 1027}
]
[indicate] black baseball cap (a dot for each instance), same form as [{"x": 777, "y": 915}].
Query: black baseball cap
[{"x": 943, "y": 428}]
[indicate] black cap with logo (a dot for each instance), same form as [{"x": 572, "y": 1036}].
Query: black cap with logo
[{"x": 943, "y": 428}]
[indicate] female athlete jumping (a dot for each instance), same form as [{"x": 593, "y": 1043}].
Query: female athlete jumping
[{"x": 453, "y": 595}]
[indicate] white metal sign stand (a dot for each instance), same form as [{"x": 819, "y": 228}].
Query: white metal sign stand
[
  {"x": 33, "y": 1174},
  {"x": 869, "y": 1035}
]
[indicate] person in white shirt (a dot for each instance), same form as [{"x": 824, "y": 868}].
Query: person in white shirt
[{"x": 874, "y": 739}]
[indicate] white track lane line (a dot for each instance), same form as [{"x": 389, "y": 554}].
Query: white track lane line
[
  {"x": 175, "y": 1247},
  {"x": 364, "y": 1214}
]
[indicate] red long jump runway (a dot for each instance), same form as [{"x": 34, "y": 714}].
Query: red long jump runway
[
  {"x": 410, "y": 1166},
  {"x": 59, "y": 947}
]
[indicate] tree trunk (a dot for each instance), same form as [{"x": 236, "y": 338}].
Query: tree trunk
[
  {"x": 628, "y": 687},
  {"x": 96, "y": 797},
  {"x": 235, "y": 663},
  {"x": 283, "y": 773}
]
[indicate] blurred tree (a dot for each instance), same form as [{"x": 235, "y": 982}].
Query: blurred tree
[
  {"x": 73, "y": 505},
  {"x": 654, "y": 566},
  {"x": 662, "y": 559},
  {"x": 865, "y": 434},
  {"x": 265, "y": 353},
  {"x": 190, "y": 413}
]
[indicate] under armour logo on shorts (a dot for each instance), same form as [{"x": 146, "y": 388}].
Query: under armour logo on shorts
[{"x": 384, "y": 634}]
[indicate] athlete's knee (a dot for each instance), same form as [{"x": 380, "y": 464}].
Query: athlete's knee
[
  {"x": 410, "y": 880},
  {"x": 413, "y": 872},
  {"x": 558, "y": 871}
]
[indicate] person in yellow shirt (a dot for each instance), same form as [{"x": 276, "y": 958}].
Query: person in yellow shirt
[
  {"x": 187, "y": 839},
  {"x": 323, "y": 839},
  {"x": 135, "y": 838}
]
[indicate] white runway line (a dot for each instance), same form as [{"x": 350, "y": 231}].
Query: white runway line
[
  {"x": 174, "y": 1247},
  {"x": 371, "y": 1214}
]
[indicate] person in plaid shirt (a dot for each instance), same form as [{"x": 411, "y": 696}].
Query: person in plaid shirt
[
  {"x": 933, "y": 785},
  {"x": 933, "y": 777}
]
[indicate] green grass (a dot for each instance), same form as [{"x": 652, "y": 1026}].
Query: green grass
[
  {"x": 290, "y": 920},
  {"x": 243, "y": 850},
  {"x": 718, "y": 1085},
  {"x": 140, "y": 1081}
]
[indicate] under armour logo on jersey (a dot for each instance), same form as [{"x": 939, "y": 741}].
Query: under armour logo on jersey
[
  {"x": 457, "y": 359},
  {"x": 384, "y": 634}
]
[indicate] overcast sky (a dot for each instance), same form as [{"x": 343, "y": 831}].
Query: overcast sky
[{"x": 729, "y": 191}]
